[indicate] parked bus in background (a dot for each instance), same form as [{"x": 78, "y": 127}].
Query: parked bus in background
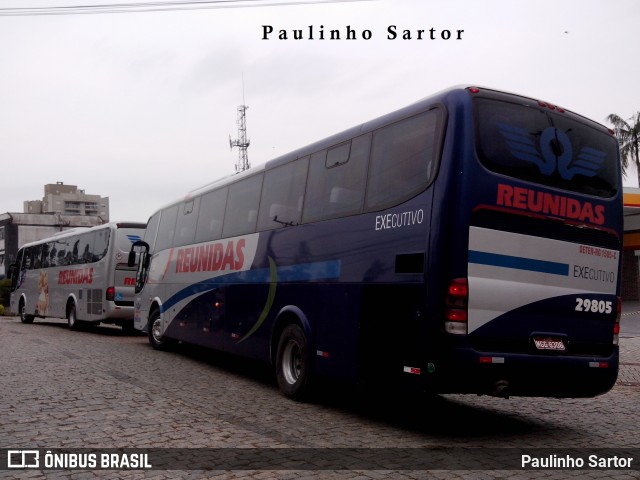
[
  {"x": 468, "y": 243},
  {"x": 81, "y": 275}
]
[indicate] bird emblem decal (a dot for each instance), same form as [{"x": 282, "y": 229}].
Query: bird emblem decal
[{"x": 552, "y": 152}]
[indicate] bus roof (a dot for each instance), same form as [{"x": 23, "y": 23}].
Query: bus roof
[
  {"x": 441, "y": 97},
  {"x": 77, "y": 230}
]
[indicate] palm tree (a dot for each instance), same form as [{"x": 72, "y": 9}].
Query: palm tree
[{"x": 628, "y": 135}]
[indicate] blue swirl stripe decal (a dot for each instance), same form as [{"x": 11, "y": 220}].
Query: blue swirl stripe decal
[
  {"x": 304, "y": 272},
  {"x": 518, "y": 263}
]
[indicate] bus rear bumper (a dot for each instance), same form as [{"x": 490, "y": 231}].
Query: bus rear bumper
[
  {"x": 115, "y": 312},
  {"x": 505, "y": 375}
]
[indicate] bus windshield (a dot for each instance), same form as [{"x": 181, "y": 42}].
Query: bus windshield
[{"x": 549, "y": 147}]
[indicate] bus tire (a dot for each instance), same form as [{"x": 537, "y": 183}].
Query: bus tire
[
  {"x": 156, "y": 339},
  {"x": 72, "y": 317},
  {"x": 293, "y": 365},
  {"x": 24, "y": 318}
]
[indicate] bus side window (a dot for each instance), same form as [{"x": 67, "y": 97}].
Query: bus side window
[
  {"x": 36, "y": 260},
  {"x": 211, "y": 215},
  {"x": 62, "y": 246},
  {"x": 100, "y": 245},
  {"x": 337, "y": 180},
  {"x": 151, "y": 231},
  {"x": 72, "y": 252},
  {"x": 53, "y": 254},
  {"x": 85, "y": 248},
  {"x": 26, "y": 264},
  {"x": 403, "y": 159},
  {"x": 187, "y": 220},
  {"x": 282, "y": 195},
  {"x": 46, "y": 247},
  {"x": 242, "y": 207},
  {"x": 167, "y": 228}
]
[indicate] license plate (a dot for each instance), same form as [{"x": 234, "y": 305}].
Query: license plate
[{"x": 549, "y": 344}]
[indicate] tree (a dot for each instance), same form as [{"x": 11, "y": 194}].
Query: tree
[{"x": 628, "y": 135}]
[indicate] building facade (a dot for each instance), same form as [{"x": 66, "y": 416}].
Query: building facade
[
  {"x": 62, "y": 207},
  {"x": 631, "y": 251},
  {"x": 68, "y": 200}
]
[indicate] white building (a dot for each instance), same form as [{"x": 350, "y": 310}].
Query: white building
[{"x": 62, "y": 207}]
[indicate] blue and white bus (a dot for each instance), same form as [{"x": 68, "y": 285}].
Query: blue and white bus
[
  {"x": 468, "y": 243},
  {"x": 80, "y": 274}
]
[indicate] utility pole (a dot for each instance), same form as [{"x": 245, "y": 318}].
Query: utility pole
[{"x": 242, "y": 142}]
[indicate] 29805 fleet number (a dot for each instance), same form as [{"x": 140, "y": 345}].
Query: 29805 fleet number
[{"x": 593, "y": 306}]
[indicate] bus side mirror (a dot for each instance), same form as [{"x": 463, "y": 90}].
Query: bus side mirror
[{"x": 131, "y": 261}]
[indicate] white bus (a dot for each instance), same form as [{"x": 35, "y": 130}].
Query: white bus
[{"x": 80, "y": 274}]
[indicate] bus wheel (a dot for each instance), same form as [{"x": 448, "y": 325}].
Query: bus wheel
[
  {"x": 292, "y": 363},
  {"x": 156, "y": 339},
  {"x": 24, "y": 318},
  {"x": 72, "y": 320}
]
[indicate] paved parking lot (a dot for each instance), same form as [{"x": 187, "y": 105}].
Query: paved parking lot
[{"x": 102, "y": 389}]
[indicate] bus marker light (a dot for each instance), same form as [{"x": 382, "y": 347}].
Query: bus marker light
[
  {"x": 491, "y": 359},
  {"x": 456, "y": 315},
  {"x": 459, "y": 288},
  {"x": 111, "y": 293},
  {"x": 456, "y": 328},
  {"x": 412, "y": 370},
  {"x": 599, "y": 364}
]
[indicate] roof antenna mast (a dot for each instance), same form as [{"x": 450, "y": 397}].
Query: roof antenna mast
[{"x": 242, "y": 142}]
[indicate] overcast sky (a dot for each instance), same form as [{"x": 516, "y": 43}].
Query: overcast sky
[{"x": 139, "y": 107}]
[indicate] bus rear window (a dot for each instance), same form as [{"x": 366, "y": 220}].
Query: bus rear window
[{"x": 546, "y": 147}]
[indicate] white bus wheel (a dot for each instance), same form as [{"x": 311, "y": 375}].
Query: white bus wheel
[
  {"x": 72, "y": 317},
  {"x": 156, "y": 338}
]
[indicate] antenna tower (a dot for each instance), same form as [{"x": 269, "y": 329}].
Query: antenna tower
[{"x": 242, "y": 142}]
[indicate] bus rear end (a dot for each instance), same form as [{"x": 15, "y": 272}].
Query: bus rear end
[
  {"x": 532, "y": 306},
  {"x": 120, "y": 292}
]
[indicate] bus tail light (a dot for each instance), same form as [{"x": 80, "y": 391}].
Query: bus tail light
[
  {"x": 616, "y": 326},
  {"x": 111, "y": 294},
  {"x": 456, "y": 303}
]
